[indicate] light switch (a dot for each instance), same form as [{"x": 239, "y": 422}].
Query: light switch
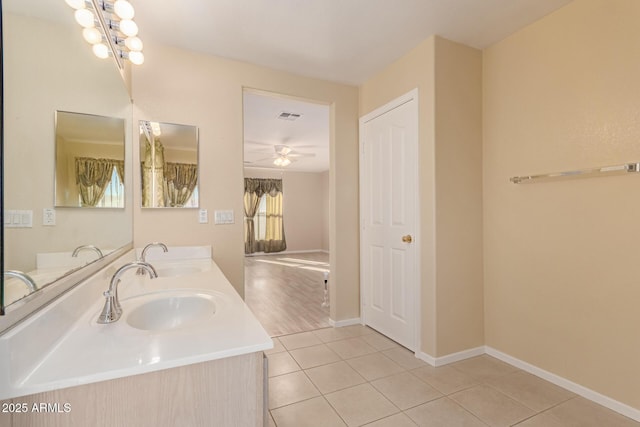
[
  {"x": 224, "y": 217},
  {"x": 18, "y": 219}
]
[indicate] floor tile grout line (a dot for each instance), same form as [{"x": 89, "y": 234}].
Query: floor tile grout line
[
  {"x": 370, "y": 421},
  {"x": 547, "y": 409},
  {"x": 468, "y": 411}
]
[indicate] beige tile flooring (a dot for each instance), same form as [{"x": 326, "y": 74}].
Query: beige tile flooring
[{"x": 354, "y": 376}]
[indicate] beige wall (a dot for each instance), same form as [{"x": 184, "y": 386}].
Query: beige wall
[
  {"x": 49, "y": 68},
  {"x": 177, "y": 86},
  {"x": 458, "y": 154},
  {"x": 448, "y": 78},
  {"x": 302, "y": 204},
  {"x": 561, "y": 266},
  {"x": 326, "y": 211}
]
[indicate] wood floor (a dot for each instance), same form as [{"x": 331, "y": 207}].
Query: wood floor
[{"x": 285, "y": 292}]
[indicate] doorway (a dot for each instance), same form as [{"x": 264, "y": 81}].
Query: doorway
[
  {"x": 389, "y": 219},
  {"x": 286, "y": 164}
]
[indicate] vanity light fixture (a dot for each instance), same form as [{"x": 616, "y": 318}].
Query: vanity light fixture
[{"x": 109, "y": 27}]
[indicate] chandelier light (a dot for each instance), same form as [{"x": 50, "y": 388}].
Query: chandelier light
[{"x": 109, "y": 27}]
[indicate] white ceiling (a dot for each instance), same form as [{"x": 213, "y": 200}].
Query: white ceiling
[
  {"x": 339, "y": 40},
  {"x": 345, "y": 41},
  {"x": 263, "y": 130}
]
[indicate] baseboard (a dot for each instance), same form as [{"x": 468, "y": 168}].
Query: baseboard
[
  {"x": 450, "y": 358},
  {"x": 426, "y": 358},
  {"x": 346, "y": 322},
  {"x": 461, "y": 355},
  {"x": 578, "y": 389}
]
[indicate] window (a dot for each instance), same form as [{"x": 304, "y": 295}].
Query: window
[
  {"x": 114, "y": 194},
  {"x": 193, "y": 199},
  {"x": 261, "y": 218}
]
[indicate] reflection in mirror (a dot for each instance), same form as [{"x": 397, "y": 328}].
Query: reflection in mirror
[
  {"x": 89, "y": 161},
  {"x": 48, "y": 68},
  {"x": 169, "y": 165}
]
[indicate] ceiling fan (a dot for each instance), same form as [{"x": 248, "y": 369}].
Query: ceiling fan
[{"x": 284, "y": 155}]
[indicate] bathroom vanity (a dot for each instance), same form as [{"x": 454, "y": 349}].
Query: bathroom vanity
[{"x": 186, "y": 351}]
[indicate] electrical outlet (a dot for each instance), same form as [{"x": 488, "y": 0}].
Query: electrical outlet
[
  {"x": 203, "y": 216},
  {"x": 48, "y": 216}
]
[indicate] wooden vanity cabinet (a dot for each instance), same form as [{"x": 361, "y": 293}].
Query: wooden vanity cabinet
[{"x": 227, "y": 392}]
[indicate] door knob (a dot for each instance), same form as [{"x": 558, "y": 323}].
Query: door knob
[{"x": 407, "y": 238}]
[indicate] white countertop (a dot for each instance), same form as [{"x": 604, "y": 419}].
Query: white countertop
[{"x": 89, "y": 352}]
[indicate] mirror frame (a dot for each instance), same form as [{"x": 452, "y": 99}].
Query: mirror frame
[{"x": 1, "y": 165}]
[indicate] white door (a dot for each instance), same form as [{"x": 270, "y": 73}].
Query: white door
[{"x": 388, "y": 209}]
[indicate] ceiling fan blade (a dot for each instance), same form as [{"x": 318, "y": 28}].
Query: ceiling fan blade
[
  {"x": 263, "y": 144},
  {"x": 263, "y": 160},
  {"x": 296, "y": 154},
  {"x": 295, "y": 147}
]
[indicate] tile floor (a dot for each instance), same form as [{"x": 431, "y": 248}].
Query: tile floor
[{"x": 354, "y": 376}]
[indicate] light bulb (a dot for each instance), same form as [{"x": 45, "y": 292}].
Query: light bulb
[
  {"x": 76, "y": 4},
  {"x": 136, "y": 58},
  {"x": 85, "y": 18},
  {"x": 92, "y": 35},
  {"x": 101, "y": 50},
  {"x": 282, "y": 161},
  {"x": 123, "y": 9},
  {"x": 133, "y": 44},
  {"x": 128, "y": 28}
]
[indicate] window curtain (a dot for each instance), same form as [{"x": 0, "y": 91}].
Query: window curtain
[
  {"x": 254, "y": 189},
  {"x": 92, "y": 178},
  {"x": 119, "y": 165},
  {"x": 153, "y": 175},
  {"x": 274, "y": 240},
  {"x": 180, "y": 179}
]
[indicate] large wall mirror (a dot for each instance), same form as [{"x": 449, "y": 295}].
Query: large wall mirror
[
  {"x": 49, "y": 68},
  {"x": 89, "y": 160},
  {"x": 168, "y": 165}
]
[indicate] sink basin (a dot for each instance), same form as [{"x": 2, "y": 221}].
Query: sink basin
[
  {"x": 178, "y": 270},
  {"x": 171, "y": 312}
]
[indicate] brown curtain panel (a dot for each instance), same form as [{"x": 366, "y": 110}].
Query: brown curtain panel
[
  {"x": 251, "y": 202},
  {"x": 92, "y": 178},
  {"x": 254, "y": 190},
  {"x": 180, "y": 179}
]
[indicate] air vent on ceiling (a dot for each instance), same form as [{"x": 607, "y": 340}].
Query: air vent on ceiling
[{"x": 284, "y": 115}]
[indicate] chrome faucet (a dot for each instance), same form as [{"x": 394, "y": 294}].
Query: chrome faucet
[
  {"x": 31, "y": 284},
  {"x": 77, "y": 250},
  {"x": 141, "y": 271},
  {"x": 112, "y": 310}
]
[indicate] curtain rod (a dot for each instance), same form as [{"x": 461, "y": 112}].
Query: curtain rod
[{"x": 581, "y": 173}]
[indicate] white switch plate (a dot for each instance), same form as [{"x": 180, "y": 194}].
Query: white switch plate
[
  {"x": 224, "y": 217},
  {"x": 48, "y": 216},
  {"x": 18, "y": 219},
  {"x": 203, "y": 216}
]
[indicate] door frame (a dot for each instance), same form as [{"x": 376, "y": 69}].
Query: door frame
[{"x": 397, "y": 102}]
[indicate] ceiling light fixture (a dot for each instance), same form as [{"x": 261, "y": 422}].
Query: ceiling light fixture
[
  {"x": 109, "y": 27},
  {"x": 282, "y": 161}
]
